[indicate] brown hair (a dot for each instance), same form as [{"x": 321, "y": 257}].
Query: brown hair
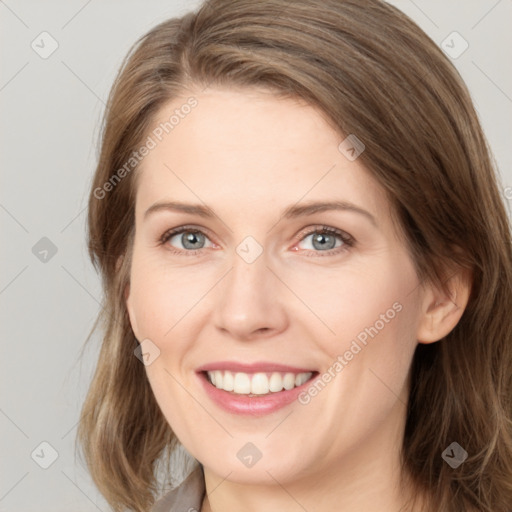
[{"x": 374, "y": 73}]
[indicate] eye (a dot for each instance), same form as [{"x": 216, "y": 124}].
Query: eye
[
  {"x": 326, "y": 240},
  {"x": 192, "y": 240},
  {"x": 323, "y": 239}
]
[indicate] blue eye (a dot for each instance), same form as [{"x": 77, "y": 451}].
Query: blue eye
[
  {"x": 191, "y": 239},
  {"x": 324, "y": 240},
  {"x": 327, "y": 241}
]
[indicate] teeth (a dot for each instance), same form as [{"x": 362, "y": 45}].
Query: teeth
[
  {"x": 242, "y": 384},
  {"x": 256, "y": 383},
  {"x": 289, "y": 381},
  {"x": 259, "y": 384},
  {"x": 301, "y": 378},
  {"x": 276, "y": 382},
  {"x": 229, "y": 382},
  {"x": 218, "y": 378}
]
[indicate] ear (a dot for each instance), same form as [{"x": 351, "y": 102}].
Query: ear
[{"x": 440, "y": 311}]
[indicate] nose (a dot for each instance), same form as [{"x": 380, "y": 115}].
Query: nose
[{"x": 251, "y": 303}]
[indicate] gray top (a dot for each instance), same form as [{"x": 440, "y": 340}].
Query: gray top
[{"x": 187, "y": 497}]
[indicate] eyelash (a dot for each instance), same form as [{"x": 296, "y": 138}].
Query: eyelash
[{"x": 348, "y": 241}]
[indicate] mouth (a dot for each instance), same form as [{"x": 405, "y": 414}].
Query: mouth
[
  {"x": 255, "y": 389},
  {"x": 256, "y": 384}
]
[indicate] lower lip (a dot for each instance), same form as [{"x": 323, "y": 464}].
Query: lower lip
[{"x": 252, "y": 405}]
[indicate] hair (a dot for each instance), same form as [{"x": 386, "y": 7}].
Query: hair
[{"x": 372, "y": 72}]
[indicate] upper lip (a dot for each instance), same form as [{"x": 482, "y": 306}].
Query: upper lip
[{"x": 260, "y": 366}]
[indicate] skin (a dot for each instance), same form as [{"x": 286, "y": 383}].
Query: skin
[{"x": 248, "y": 155}]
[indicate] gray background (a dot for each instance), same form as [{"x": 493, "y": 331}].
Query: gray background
[{"x": 50, "y": 114}]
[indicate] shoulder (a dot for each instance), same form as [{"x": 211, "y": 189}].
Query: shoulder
[{"x": 187, "y": 497}]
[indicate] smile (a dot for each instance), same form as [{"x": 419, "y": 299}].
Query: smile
[
  {"x": 253, "y": 389},
  {"x": 256, "y": 383}
]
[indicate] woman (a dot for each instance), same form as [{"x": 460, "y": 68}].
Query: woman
[{"x": 307, "y": 269}]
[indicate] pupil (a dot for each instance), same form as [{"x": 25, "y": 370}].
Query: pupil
[
  {"x": 323, "y": 241},
  {"x": 189, "y": 239}
]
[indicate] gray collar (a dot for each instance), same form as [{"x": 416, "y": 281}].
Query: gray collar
[{"x": 187, "y": 497}]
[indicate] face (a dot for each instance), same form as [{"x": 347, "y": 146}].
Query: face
[{"x": 307, "y": 315}]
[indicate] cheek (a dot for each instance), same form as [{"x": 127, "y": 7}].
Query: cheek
[
  {"x": 161, "y": 296},
  {"x": 373, "y": 316},
  {"x": 362, "y": 299},
  {"x": 375, "y": 342}
]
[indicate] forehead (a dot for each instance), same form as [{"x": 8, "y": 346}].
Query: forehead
[{"x": 249, "y": 147}]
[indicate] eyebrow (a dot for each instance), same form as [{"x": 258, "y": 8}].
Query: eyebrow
[{"x": 290, "y": 212}]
